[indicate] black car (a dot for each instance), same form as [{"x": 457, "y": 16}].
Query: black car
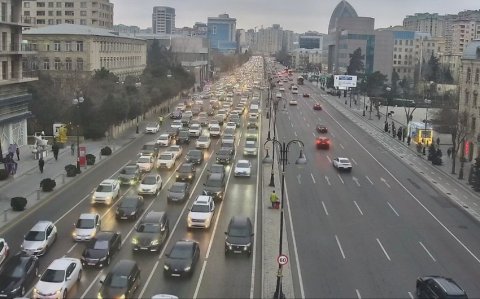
[
  {"x": 177, "y": 114},
  {"x": 217, "y": 168},
  {"x": 239, "y": 235},
  {"x": 130, "y": 175},
  {"x": 100, "y": 249},
  {"x": 17, "y": 275},
  {"x": 183, "y": 137},
  {"x": 152, "y": 232},
  {"x": 182, "y": 259},
  {"x": 194, "y": 156},
  {"x": 439, "y": 287},
  {"x": 150, "y": 149},
  {"x": 322, "y": 129},
  {"x": 186, "y": 120},
  {"x": 173, "y": 132},
  {"x": 122, "y": 280},
  {"x": 130, "y": 207},
  {"x": 179, "y": 191},
  {"x": 224, "y": 156},
  {"x": 214, "y": 186},
  {"x": 186, "y": 172},
  {"x": 229, "y": 144}
]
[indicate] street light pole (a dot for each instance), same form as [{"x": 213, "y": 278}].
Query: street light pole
[
  {"x": 77, "y": 102},
  {"x": 272, "y": 175},
  {"x": 388, "y": 100}
]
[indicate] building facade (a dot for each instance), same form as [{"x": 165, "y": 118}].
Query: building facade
[
  {"x": 269, "y": 40},
  {"x": 307, "y": 59},
  {"x": 433, "y": 24},
  {"x": 222, "y": 33},
  {"x": 163, "y": 20},
  {"x": 14, "y": 97},
  {"x": 463, "y": 32},
  {"x": 75, "y": 49},
  {"x": 310, "y": 40},
  {"x": 94, "y": 13}
]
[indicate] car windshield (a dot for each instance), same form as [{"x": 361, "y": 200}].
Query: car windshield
[
  {"x": 100, "y": 245},
  {"x": 183, "y": 134},
  {"x": 104, "y": 188},
  {"x": 217, "y": 168},
  {"x": 129, "y": 203},
  {"x": 13, "y": 269},
  {"x": 213, "y": 183},
  {"x": 250, "y": 145},
  {"x": 243, "y": 165},
  {"x": 195, "y": 154},
  {"x": 149, "y": 180},
  {"x": 224, "y": 152},
  {"x": 165, "y": 157},
  {"x": 200, "y": 208},
  {"x": 163, "y": 137},
  {"x": 51, "y": 275},
  {"x": 152, "y": 125},
  {"x": 129, "y": 170},
  {"x": 148, "y": 147},
  {"x": 174, "y": 149},
  {"x": 149, "y": 228},
  {"x": 181, "y": 252},
  {"x": 185, "y": 169},
  {"x": 203, "y": 138},
  {"x": 144, "y": 160},
  {"x": 116, "y": 281},
  {"x": 343, "y": 161},
  {"x": 177, "y": 188},
  {"x": 35, "y": 236},
  {"x": 239, "y": 232},
  {"x": 85, "y": 223}
]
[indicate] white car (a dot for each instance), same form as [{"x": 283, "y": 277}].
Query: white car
[
  {"x": 164, "y": 140},
  {"x": 152, "y": 128},
  {"x": 176, "y": 149},
  {"x": 195, "y": 130},
  {"x": 40, "y": 237},
  {"x": 203, "y": 142},
  {"x": 201, "y": 212},
  {"x": 342, "y": 163},
  {"x": 151, "y": 184},
  {"x": 293, "y": 102},
  {"x": 177, "y": 123},
  {"x": 86, "y": 227},
  {"x": 282, "y": 89},
  {"x": 250, "y": 148},
  {"x": 215, "y": 131},
  {"x": 181, "y": 107},
  {"x": 232, "y": 125},
  {"x": 166, "y": 160},
  {"x": 243, "y": 168},
  {"x": 188, "y": 113},
  {"x": 4, "y": 250},
  {"x": 145, "y": 163},
  {"x": 59, "y": 278},
  {"x": 106, "y": 192},
  {"x": 213, "y": 123}
]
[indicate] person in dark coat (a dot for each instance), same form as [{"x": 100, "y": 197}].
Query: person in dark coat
[
  {"x": 55, "y": 150},
  {"x": 17, "y": 151},
  {"x": 41, "y": 163}
]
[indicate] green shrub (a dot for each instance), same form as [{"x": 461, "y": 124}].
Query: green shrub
[
  {"x": 47, "y": 185},
  {"x": 18, "y": 203}
]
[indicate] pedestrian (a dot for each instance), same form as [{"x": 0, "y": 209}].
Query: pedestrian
[
  {"x": 449, "y": 152},
  {"x": 55, "y": 150},
  {"x": 17, "y": 151},
  {"x": 438, "y": 140},
  {"x": 72, "y": 148},
  {"x": 273, "y": 199},
  {"x": 160, "y": 120},
  {"x": 41, "y": 163}
]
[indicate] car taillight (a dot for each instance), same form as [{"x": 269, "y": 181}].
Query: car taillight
[{"x": 318, "y": 141}]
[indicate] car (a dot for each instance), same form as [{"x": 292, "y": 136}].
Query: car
[
  {"x": 293, "y": 102},
  {"x": 203, "y": 120},
  {"x": 164, "y": 140},
  {"x": 194, "y": 156},
  {"x": 130, "y": 207},
  {"x": 181, "y": 107},
  {"x": 173, "y": 132},
  {"x": 186, "y": 172},
  {"x": 211, "y": 111},
  {"x": 40, "y": 238},
  {"x": 152, "y": 128},
  {"x": 213, "y": 123},
  {"x": 239, "y": 236},
  {"x": 4, "y": 251},
  {"x": 306, "y": 95},
  {"x": 17, "y": 275},
  {"x": 282, "y": 88},
  {"x": 322, "y": 143},
  {"x": 228, "y": 143},
  {"x": 216, "y": 168},
  {"x": 224, "y": 156},
  {"x": 203, "y": 142},
  {"x": 228, "y": 133},
  {"x": 122, "y": 280},
  {"x": 220, "y": 118},
  {"x": 183, "y": 137},
  {"x": 145, "y": 163},
  {"x": 166, "y": 160},
  {"x": 186, "y": 120},
  {"x": 195, "y": 110},
  {"x": 317, "y": 107},
  {"x": 60, "y": 277},
  {"x": 243, "y": 168},
  {"x": 231, "y": 125},
  {"x": 322, "y": 129},
  {"x": 176, "y": 114},
  {"x": 188, "y": 113},
  {"x": 151, "y": 184},
  {"x": 86, "y": 227},
  {"x": 250, "y": 148},
  {"x": 130, "y": 175},
  {"x": 438, "y": 287},
  {"x": 182, "y": 259},
  {"x": 236, "y": 119},
  {"x": 201, "y": 212},
  {"x": 107, "y": 191},
  {"x": 179, "y": 191},
  {"x": 251, "y": 135},
  {"x": 101, "y": 248},
  {"x": 215, "y": 186},
  {"x": 342, "y": 164},
  {"x": 176, "y": 149},
  {"x": 152, "y": 232},
  {"x": 149, "y": 149},
  {"x": 177, "y": 123}
]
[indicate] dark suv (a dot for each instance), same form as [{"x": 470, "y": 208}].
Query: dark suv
[
  {"x": 183, "y": 137},
  {"x": 239, "y": 236},
  {"x": 194, "y": 156},
  {"x": 122, "y": 280},
  {"x": 224, "y": 156},
  {"x": 151, "y": 232},
  {"x": 215, "y": 186},
  {"x": 439, "y": 287},
  {"x": 186, "y": 172},
  {"x": 149, "y": 149}
]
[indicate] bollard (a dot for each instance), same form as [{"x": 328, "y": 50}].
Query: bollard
[
  {"x": 100, "y": 156},
  {"x": 63, "y": 178},
  {"x": 5, "y": 215},
  {"x": 38, "y": 194}
]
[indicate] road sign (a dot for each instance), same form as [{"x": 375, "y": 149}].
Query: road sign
[{"x": 282, "y": 259}]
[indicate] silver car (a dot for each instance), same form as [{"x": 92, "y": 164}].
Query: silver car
[{"x": 40, "y": 238}]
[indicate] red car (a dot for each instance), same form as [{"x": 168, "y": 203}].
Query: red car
[
  {"x": 323, "y": 142},
  {"x": 306, "y": 95},
  {"x": 322, "y": 129},
  {"x": 317, "y": 107}
]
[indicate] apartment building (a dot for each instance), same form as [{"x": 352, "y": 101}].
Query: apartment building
[
  {"x": 163, "y": 20},
  {"x": 222, "y": 33}
]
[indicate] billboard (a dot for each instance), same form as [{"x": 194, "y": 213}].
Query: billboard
[{"x": 345, "y": 81}]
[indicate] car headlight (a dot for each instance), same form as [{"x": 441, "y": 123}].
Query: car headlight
[
  {"x": 228, "y": 243},
  {"x": 133, "y": 213},
  {"x": 177, "y": 176},
  {"x": 99, "y": 296},
  {"x": 35, "y": 291},
  {"x": 134, "y": 241},
  {"x": 93, "y": 233},
  {"x": 74, "y": 234},
  {"x": 166, "y": 267},
  {"x": 248, "y": 244},
  {"x": 187, "y": 268},
  {"x": 154, "y": 242}
]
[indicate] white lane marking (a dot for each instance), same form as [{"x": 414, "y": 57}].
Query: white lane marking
[
  {"x": 328, "y": 180},
  {"x": 355, "y": 162},
  {"x": 324, "y": 208},
  {"x": 255, "y": 228},
  {"x": 384, "y": 251},
  {"x": 428, "y": 252},
  {"x": 299, "y": 177},
  {"x": 291, "y": 124},
  {"x": 333, "y": 135},
  {"x": 295, "y": 133},
  {"x": 391, "y": 207},
  {"x": 340, "y": 246},
  {"x": 411, "y": 296},
  {"x": 447, "y": 183},
  {"x": 71, "y": 248},
  {"x": 200, "y": 279},
  {"x": 91, "y": 284},
  {"x": 150, "y": 276},
  {"x": 314, "y": 134},
  {"x": 329, "y": 160},
  {"x": 369, "y": 179},
  {"x": 340, "y": 178},
  {"x": 358, "y": 207},
  {"x": 385, "y": 182},
  {"x": 304, "y": 116},
  {"x": 313, "y": 178},
  {"x": 356, "y": 181},
  {"x": 341, "y": 145},
  {"x": 308, "y": 125},
  {"x": 358, "y": 294}
]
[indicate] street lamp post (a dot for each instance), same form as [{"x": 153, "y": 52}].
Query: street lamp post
[
  {"x": 77, "y": 102},
  {"x": 284, "y": 148},
  {"x": 275, "y": 109},
  {"x": 388, "y": 100}
]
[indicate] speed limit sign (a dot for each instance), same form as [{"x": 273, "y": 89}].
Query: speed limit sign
[{"x": 282, "y": 259}]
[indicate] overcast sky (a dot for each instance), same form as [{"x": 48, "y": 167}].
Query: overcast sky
[{"x": 296, "y": 15}]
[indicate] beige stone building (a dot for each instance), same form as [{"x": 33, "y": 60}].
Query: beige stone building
[
  {"x": 66, "y": 48},
  {"x": 95, "y": 13}
]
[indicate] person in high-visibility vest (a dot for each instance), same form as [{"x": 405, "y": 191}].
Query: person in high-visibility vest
[
  {"x": 160, "y": 120},
  {"x": 273, "y": 199}
]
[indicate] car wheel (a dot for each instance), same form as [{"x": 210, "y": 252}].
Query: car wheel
[
  {"x": 79, "y": 275},
  {"x": 22, "y": 291},
  {"x": 108, "y": 260},
  {"x": 36, "y": 271},
  {"x": 64, "y": 294}
]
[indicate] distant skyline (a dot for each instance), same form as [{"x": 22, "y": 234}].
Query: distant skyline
[{"x": 298, "y": 16}]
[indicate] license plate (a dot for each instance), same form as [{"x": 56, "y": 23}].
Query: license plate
[
  {"x": 177, "y": 275},
  {"x": 124, "y": 217},
  {"x": 237, "y": 251},
  {"x": 91, "y": 264},
  {"x": 144, "y": 248}
]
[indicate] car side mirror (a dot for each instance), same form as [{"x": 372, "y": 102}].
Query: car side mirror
[{"x": 101, "y": 281}]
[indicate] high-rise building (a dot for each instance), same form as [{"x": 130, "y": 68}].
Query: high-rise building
[
  {"x": 269, "y": 40},
  {"x": 163, "y": 20},
  {"x": 310, "y": 40},
  {"x": 94, "y": 13},
  {"x": 433, "y": 24},
  {"x": 463, "y": 32},
  {"x": 222, "y": 33}
]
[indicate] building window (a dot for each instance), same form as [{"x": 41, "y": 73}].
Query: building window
[
  {"x": 26, "y": 13},
  {"x": 40, "y": 4},
  {"x": 51, "y": 22},
  {"x": 59, "y": 13},
  {"x": 68, "y": 64},
  {"x": 69, "y": 13},
  {"x": 475, "y": 96},
  {"x": 26, "y": 4},
  {"x": 83, "y": 4},
  {"x": 467, "y": 97},
  {"x": 83, "y": 13},
  {"x": 58, "y": 21},
  {"x": 474, "y": 121},
  {"x": 469, "y": 75},
  {"x": 50, "y": 13},
  {"x": 83, "y": 22},
  {"x": 69, "y": 21},
  {"x": 40, "y": 13},
  {"x": 46, "y": 64},
  {"x": 79, "y": 64},
  {"x": 68, "y": 4},
  {"x": 56, "y": 46},
  {"x": 79, "y": 46},
  {"x": 40, "y": 22},
  {"x": 477, "y": 75},
  {"x": 50, "y": 4},
  {"x": 59, "y": 4},
  {"x": 57, "y": 64}
]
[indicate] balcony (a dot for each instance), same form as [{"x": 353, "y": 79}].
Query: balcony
[
  {"x": 24, "y": 21},
  {"x": 18, "y": 48}
]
